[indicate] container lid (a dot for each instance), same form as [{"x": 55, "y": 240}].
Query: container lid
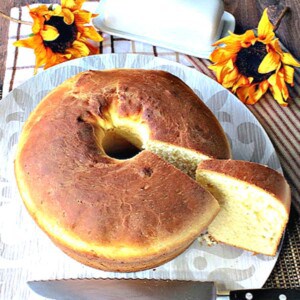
[{"x": 185, "y": 26}]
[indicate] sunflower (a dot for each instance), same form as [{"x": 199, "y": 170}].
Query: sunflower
[
  {"x": 251, "y": 63},
  {"x": 60, "y": 33}
]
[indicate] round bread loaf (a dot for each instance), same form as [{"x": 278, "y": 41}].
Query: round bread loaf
[{"x": 91, "y": 167}]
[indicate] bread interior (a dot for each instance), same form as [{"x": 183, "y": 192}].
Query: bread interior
[
  {"x": 183, "y": 159},
  {"x": 250, "y": 218}
]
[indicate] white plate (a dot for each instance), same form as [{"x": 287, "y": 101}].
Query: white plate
[
  {"x": 27, "y": 254},
  {"x": 227, "y": 20}
]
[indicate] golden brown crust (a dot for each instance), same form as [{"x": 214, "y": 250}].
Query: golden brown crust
[
  {"x": 256, "y": 174},
  {"x": 116, "y": 215},
  {"x": 135, "y": 206},
  {"x": 144, "y": 263},
  {"x": 173, "y": 112}
]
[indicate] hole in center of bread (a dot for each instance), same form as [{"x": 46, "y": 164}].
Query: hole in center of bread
[{"x": 117, "y": 145}]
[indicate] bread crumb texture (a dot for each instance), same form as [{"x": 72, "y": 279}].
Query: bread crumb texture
[{"x": 251, "y": 217}]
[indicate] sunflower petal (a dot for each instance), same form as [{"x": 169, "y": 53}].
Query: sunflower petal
[
  {"x": 90, "y": 33},
  {"x": 251, "y": 99},
  {"x": 276, "y": 92},
  {"x": 288, "y": 59},
  {"x": 92, "y": 48},
  {"x": 68, "y": 16},
  {"x": 54, "y": 59},
  {"x": 246, "y": 37},
  {"x": 50, "y": 33},
  {"x": 252, "y": 93},
  {"x": 265, "y": 27},
  {"x": 222, "y": 69},
  {"x": 40, "y": 56},
  {"x": 82, "y": 48},
  {"x": 266, "y": 40},
  {"x": 250, "y": 79},
  {"x": 274, "y": 46},
  {"x": 220, "y": 55},
  {"x": 278, "y": 88},
  {"x": 264, "y": 85},
  {"x": 270, "y": 63},
  {"x": 242, "y": 80},
  {"x": 243, "y": 93},
  {"x": 41, "y": 14},
  {"x": 72, "y": 4},
  {"x": 229, "y": 66},
  {"x": 74, "y": 52},
  {"x": 229, "y": 39},
  {"x": 226, "y": 68},
  {"x": 39, "y": 10},
  {"x": 32, "y": 42},
  {"x": 230, "y": 78},
  {"x": 285, "y": 91},
  {"x": 289, "y": 74},
  {"x": 261, "y": 89},
  {"x": 218, "y": 69},
  {"x": 282, "y": 86},
  {"x": 233, "y": 48},
  {"x": 272, "y": 79},
  {"x": 27, "y": 43},
  {"x": 38, "y": 22},
  {"x": 40, "y": 52},
  {"x": 83, "y": 16}
]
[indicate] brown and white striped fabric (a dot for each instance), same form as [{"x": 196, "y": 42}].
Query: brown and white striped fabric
[{"x": 281, "y": 123}]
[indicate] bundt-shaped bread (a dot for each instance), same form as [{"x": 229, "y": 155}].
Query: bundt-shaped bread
[
  {"x": 255, "y": 203},
  {"x": 93, "y": 167}
]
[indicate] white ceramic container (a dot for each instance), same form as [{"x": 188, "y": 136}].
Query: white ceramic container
[{"x": 186, "y": 26}]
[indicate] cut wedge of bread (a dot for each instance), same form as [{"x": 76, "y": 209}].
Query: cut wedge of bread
[{"x": 255, "y": 203}]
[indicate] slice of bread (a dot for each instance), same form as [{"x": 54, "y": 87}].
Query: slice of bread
[{"x": 255, "y": 203}]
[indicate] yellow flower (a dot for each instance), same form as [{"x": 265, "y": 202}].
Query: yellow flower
[
  {"x": 251, "y": 63},
  {"x": 60, "y": 33}
]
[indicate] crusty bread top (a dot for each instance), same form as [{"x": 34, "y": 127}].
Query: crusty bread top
[
  {"x": 253, "y": 173},
  {"x": 170, "y": 109}
]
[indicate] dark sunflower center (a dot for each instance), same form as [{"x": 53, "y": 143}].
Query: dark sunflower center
[
  {"x": 249, "y": 59},
  {"x": 67, "y": 35}
]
